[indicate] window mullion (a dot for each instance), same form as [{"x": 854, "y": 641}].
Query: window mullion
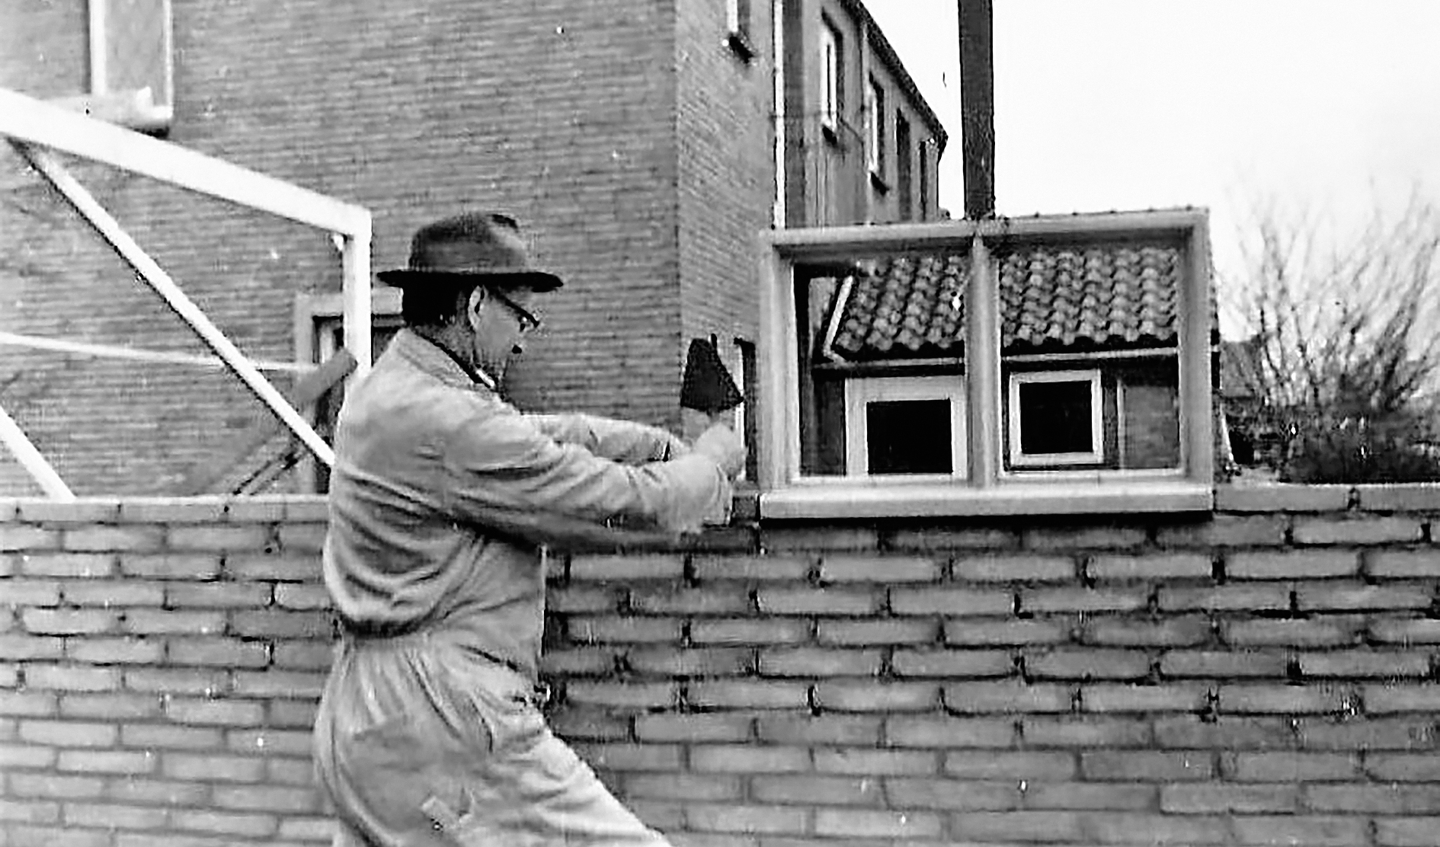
[
  {"x": 982, "y": 365},
  {"x": 99, "y": 47}
]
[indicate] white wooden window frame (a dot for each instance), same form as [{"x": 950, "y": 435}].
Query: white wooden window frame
[
  {"x": 38, "y": 130},
  {"x": 830, "y": 70},
  {"x": 862, "y": 391},
  {"x": 987, "y": 489},
  {"x": 1091, "y": 377},
  {"x": 875, "y": 128},
  {"x": 145, "y": 109}
]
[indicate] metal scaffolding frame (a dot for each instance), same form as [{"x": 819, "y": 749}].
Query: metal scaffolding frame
[{"x": 37, "y": 130}]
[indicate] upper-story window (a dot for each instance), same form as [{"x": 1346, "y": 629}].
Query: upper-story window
[
  {"x": 875, "y": 128},
  {"x": 832, "y": 89},
  {"x": 924, "y": 198},
  {"x": 904, "y": 189},
  {"x": 131, "y": 62},
  {"x": 1004, "y": 366},
  {"x": 737, "y": 25}
]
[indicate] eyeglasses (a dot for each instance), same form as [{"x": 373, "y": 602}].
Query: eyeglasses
[{"x": 528, "y": 322}]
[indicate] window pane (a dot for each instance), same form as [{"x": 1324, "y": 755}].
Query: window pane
[
  {"x": 1151, "y": 419},
  {"x": 876, "y": 328},
  {"x": 138, "y": 55},
  {"x": 908, "y": 436},
  {"x": 1055, "y": 417}
]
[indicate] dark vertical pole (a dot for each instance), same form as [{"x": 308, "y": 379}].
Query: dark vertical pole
[{"x": 977, "y": 108}]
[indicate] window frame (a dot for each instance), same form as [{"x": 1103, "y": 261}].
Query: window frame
[
  {"x": 142, "y": 109},
  {"x": 875, "y": 126},
  {"x": 831, "y": 76},
  {"x": 989, "y": 489},
  {"x": 312, "y": 347},
  {"x": 1018, "y": 457},
  {"x": 860, "y": 391}
]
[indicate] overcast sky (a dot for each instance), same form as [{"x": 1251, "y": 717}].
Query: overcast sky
[{"x": 1133, "y": 104}]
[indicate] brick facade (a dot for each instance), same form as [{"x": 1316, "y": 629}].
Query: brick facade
[{"x": 1262, "y": 675}]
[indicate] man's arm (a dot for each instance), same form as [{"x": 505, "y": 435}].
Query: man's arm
[
  {"x": 506, "y": 474},
  {"x": 619, "y": 441}
]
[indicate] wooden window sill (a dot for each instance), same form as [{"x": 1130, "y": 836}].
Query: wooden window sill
[{"x": 858, "y": 500}]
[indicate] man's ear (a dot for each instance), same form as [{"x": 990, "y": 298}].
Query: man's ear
[{"x": 474, "y": 304}]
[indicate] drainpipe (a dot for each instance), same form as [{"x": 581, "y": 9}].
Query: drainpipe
[{"x": 777, "y": 210}]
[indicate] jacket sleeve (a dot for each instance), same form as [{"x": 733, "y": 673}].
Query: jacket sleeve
[
  {"x": 619, "y": 441},
  {"x": 505, "y": 473}
]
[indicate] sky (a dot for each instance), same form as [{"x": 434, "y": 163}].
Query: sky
[{"x": 1329, "y": 108}]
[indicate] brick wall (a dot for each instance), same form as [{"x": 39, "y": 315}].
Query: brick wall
[
  {"x": 1262, "y": 676},
  {"x": 726, "y": 169},
  {"x": 559, "y": 111}
]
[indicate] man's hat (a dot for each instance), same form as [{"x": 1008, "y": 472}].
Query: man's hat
[{"x": 475, "y": 247}]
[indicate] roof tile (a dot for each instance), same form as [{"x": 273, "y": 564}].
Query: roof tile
[{"x": 1052, "y": 299}]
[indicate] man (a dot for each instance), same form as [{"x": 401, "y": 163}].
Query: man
[{"x": 441, "y": 498}]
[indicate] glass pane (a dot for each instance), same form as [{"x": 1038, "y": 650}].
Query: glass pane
[
  {"x": 1077, "y": 314},
  {"x": 1151, "y": 420},
  {"x": 908, "y": 436},
  {"x": 872, "y": 329},
  {"x": 137, "y": 52},
  {"x": 1055, "y": 417}
]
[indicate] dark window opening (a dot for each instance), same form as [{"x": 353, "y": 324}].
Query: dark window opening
[
  {"x": 908, "y": 436},
  {"x": 903, "y": 154},
  {"x": 1055, "y": 417}
]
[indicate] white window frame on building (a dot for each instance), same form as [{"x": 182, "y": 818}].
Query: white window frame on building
[
  {"x": 875, "y": 129},
  {"x": 859, "y": 393},
  {"x": 792, "y": 255},
  {"x": 1091, "y": 378},
  {"x": 831, "y": 69},
  {"x": 115, "y": 95}
]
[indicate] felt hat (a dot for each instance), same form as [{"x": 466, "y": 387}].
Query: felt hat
[{"x": 474, "y": 248}]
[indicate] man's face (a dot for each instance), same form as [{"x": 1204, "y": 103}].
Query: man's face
[{"x": 502, "y": 320}]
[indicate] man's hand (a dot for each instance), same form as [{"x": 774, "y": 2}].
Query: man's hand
[{"x": 721, "y": 444}]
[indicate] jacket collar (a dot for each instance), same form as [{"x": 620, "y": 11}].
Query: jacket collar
[{"x": 439, "y": 362}]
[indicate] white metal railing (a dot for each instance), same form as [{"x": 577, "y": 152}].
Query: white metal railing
[{"x": 36, "y": 128}]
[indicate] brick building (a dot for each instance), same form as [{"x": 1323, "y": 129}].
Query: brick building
[{"x": 636, "y": 142}]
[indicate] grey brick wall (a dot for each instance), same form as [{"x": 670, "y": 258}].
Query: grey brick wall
[{"x": 1208, "y": 680}]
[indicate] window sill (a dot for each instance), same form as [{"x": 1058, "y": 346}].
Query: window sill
[
  {"x": 939, "y": 499},
  {"x": 131, "y": 109}
]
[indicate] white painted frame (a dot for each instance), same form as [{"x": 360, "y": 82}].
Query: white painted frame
[
  {"x": 36, "y": 128},
  {"x": 1019, "y": 458},
  {"x": 830, "y": 70},
  {"x": 861, "y": 391},
  {"x": 875, "y": 128},
  {"x": 143, "y": 109},
  {"x": 988, "y": 489}
]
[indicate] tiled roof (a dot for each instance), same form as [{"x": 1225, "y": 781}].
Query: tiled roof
[{"x": 1052, "y": 299}]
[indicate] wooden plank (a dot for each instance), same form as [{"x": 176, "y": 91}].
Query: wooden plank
[
  {"x": 1197, "y": 419},
  {"x": 356, "y": 296},
  {"x": 899, "y": 500},
  {"x": 32, "y": 460},
  {"x": 36, "y": 122},
  {"x": 982, "y": 366}
]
